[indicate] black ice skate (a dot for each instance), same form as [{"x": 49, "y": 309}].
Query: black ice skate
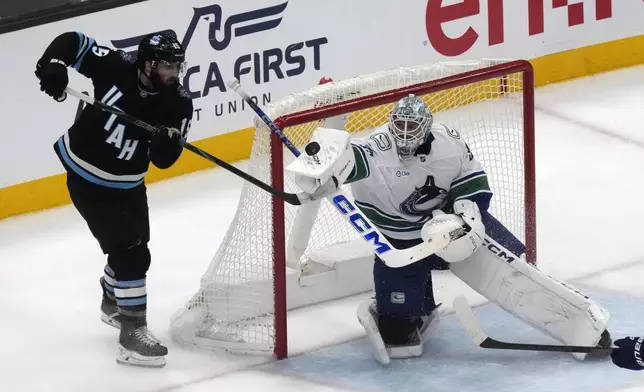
[
  {"x": 138, "y": 347},
  {"x": 394, "y": 343},
  {"x": 109, "y": 310}
]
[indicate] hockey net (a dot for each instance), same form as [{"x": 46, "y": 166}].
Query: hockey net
[{"x": 242, "y": 300}]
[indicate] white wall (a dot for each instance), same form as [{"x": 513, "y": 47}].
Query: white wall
[{"x": 351, "y": 37}]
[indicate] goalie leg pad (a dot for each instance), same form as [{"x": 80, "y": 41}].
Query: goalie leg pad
[
  {"x": 495, "y": 230},
  {"x": 555, "y": 308},
  {"x": 405, "y": 291},
  {"x": 404, "y": 314}
]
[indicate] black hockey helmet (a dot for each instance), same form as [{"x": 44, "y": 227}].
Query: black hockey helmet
[{"x": 159, "y": 47}]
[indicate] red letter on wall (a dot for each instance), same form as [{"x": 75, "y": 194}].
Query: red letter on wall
[
  {"x": 575, "y": 11},
  {"x": 603, "y": 9},
  {"x": 535, "y": 17},
  {"x": 436, "y": 15},
  {"x": 495, "y": 21}
]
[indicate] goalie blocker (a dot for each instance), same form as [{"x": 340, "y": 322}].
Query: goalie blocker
[{"x": 482, "y": 253}]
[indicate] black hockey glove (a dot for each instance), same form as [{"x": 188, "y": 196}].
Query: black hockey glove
[
  {"x": 53, "y": 78},
  {"x": 629, "y": 353},
  {"x": 165, "y": 147},
  {"x": 169, "y": 135}
]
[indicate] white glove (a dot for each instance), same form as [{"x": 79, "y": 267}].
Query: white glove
[
  {"x": 321, "y": 172},
  {"x": 464, "y": 242},
  {"x": 320, "y": 192}
]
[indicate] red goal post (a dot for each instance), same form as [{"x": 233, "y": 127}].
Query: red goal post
[{"x": 287, "y": 253}]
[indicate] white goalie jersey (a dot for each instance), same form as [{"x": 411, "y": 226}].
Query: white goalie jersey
[{"x": 399, "y": 196}]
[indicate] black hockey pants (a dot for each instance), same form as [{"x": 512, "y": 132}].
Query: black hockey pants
[{"x": 119, "y": 221}]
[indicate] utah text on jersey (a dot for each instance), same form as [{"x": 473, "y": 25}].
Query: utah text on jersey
[{"x": 102, "y": 148}]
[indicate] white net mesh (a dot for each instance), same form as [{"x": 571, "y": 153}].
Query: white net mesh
[{"x": 234, "y": 307}]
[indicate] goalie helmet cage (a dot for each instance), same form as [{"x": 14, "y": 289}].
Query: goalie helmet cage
[{"x": 271, "y": 248}]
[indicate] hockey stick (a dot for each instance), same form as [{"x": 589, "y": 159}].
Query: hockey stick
[
  {"x": 391, "y": 256},
  {"x": 468, "y": 320},
  {"x": 291, "y": 198}
]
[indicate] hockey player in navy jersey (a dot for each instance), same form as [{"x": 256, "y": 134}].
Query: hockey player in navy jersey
[{"x": 106, "y": 160}]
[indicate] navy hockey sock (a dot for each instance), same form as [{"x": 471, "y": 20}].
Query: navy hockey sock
[
  {"x": 107, "y": 284},
  {"x": 131, "y": 297}
]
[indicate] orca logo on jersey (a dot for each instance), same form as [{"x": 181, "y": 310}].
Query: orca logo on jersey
[
  {"x": 424, "y": 199},
  {"x": 360, "y": 223},
  {"x": 452, "y": 132}
]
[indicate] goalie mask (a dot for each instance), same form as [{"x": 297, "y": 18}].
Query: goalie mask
[{"x": 409, "y": 124}]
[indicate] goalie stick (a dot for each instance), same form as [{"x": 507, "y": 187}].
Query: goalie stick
[
  {"x": 291, "y": 198},
  {"x": 468, "y": 320},
  {"x": 391, "y": 256}
]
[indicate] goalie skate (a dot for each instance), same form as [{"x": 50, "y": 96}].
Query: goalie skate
[
  {"x": 139, "y": 347},
  {"x": 428, "y": 328},
  {"x": 368, "y": 316}
]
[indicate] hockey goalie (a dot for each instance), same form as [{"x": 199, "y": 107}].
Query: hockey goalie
[{"x": 413, "y": 178}]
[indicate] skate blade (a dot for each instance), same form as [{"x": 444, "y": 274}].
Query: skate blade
[
  {"x": 130, "y": 358},
  {"x": 110, "y": 321}
]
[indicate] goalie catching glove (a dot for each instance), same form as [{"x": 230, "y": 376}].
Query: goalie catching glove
[
  {"x": 464, "y": 227},
  {"x": 326, "y": 163}
]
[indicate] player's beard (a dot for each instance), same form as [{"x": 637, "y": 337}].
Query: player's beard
[{"x": 161, "y": 86}]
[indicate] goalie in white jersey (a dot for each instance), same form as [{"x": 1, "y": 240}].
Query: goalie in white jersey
[
  {"x": 405, "y": 172},
  {"x": 410, "y": 177}
]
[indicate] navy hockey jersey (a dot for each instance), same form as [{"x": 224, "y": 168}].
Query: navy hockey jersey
[{"x": 102, "y": 148}]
